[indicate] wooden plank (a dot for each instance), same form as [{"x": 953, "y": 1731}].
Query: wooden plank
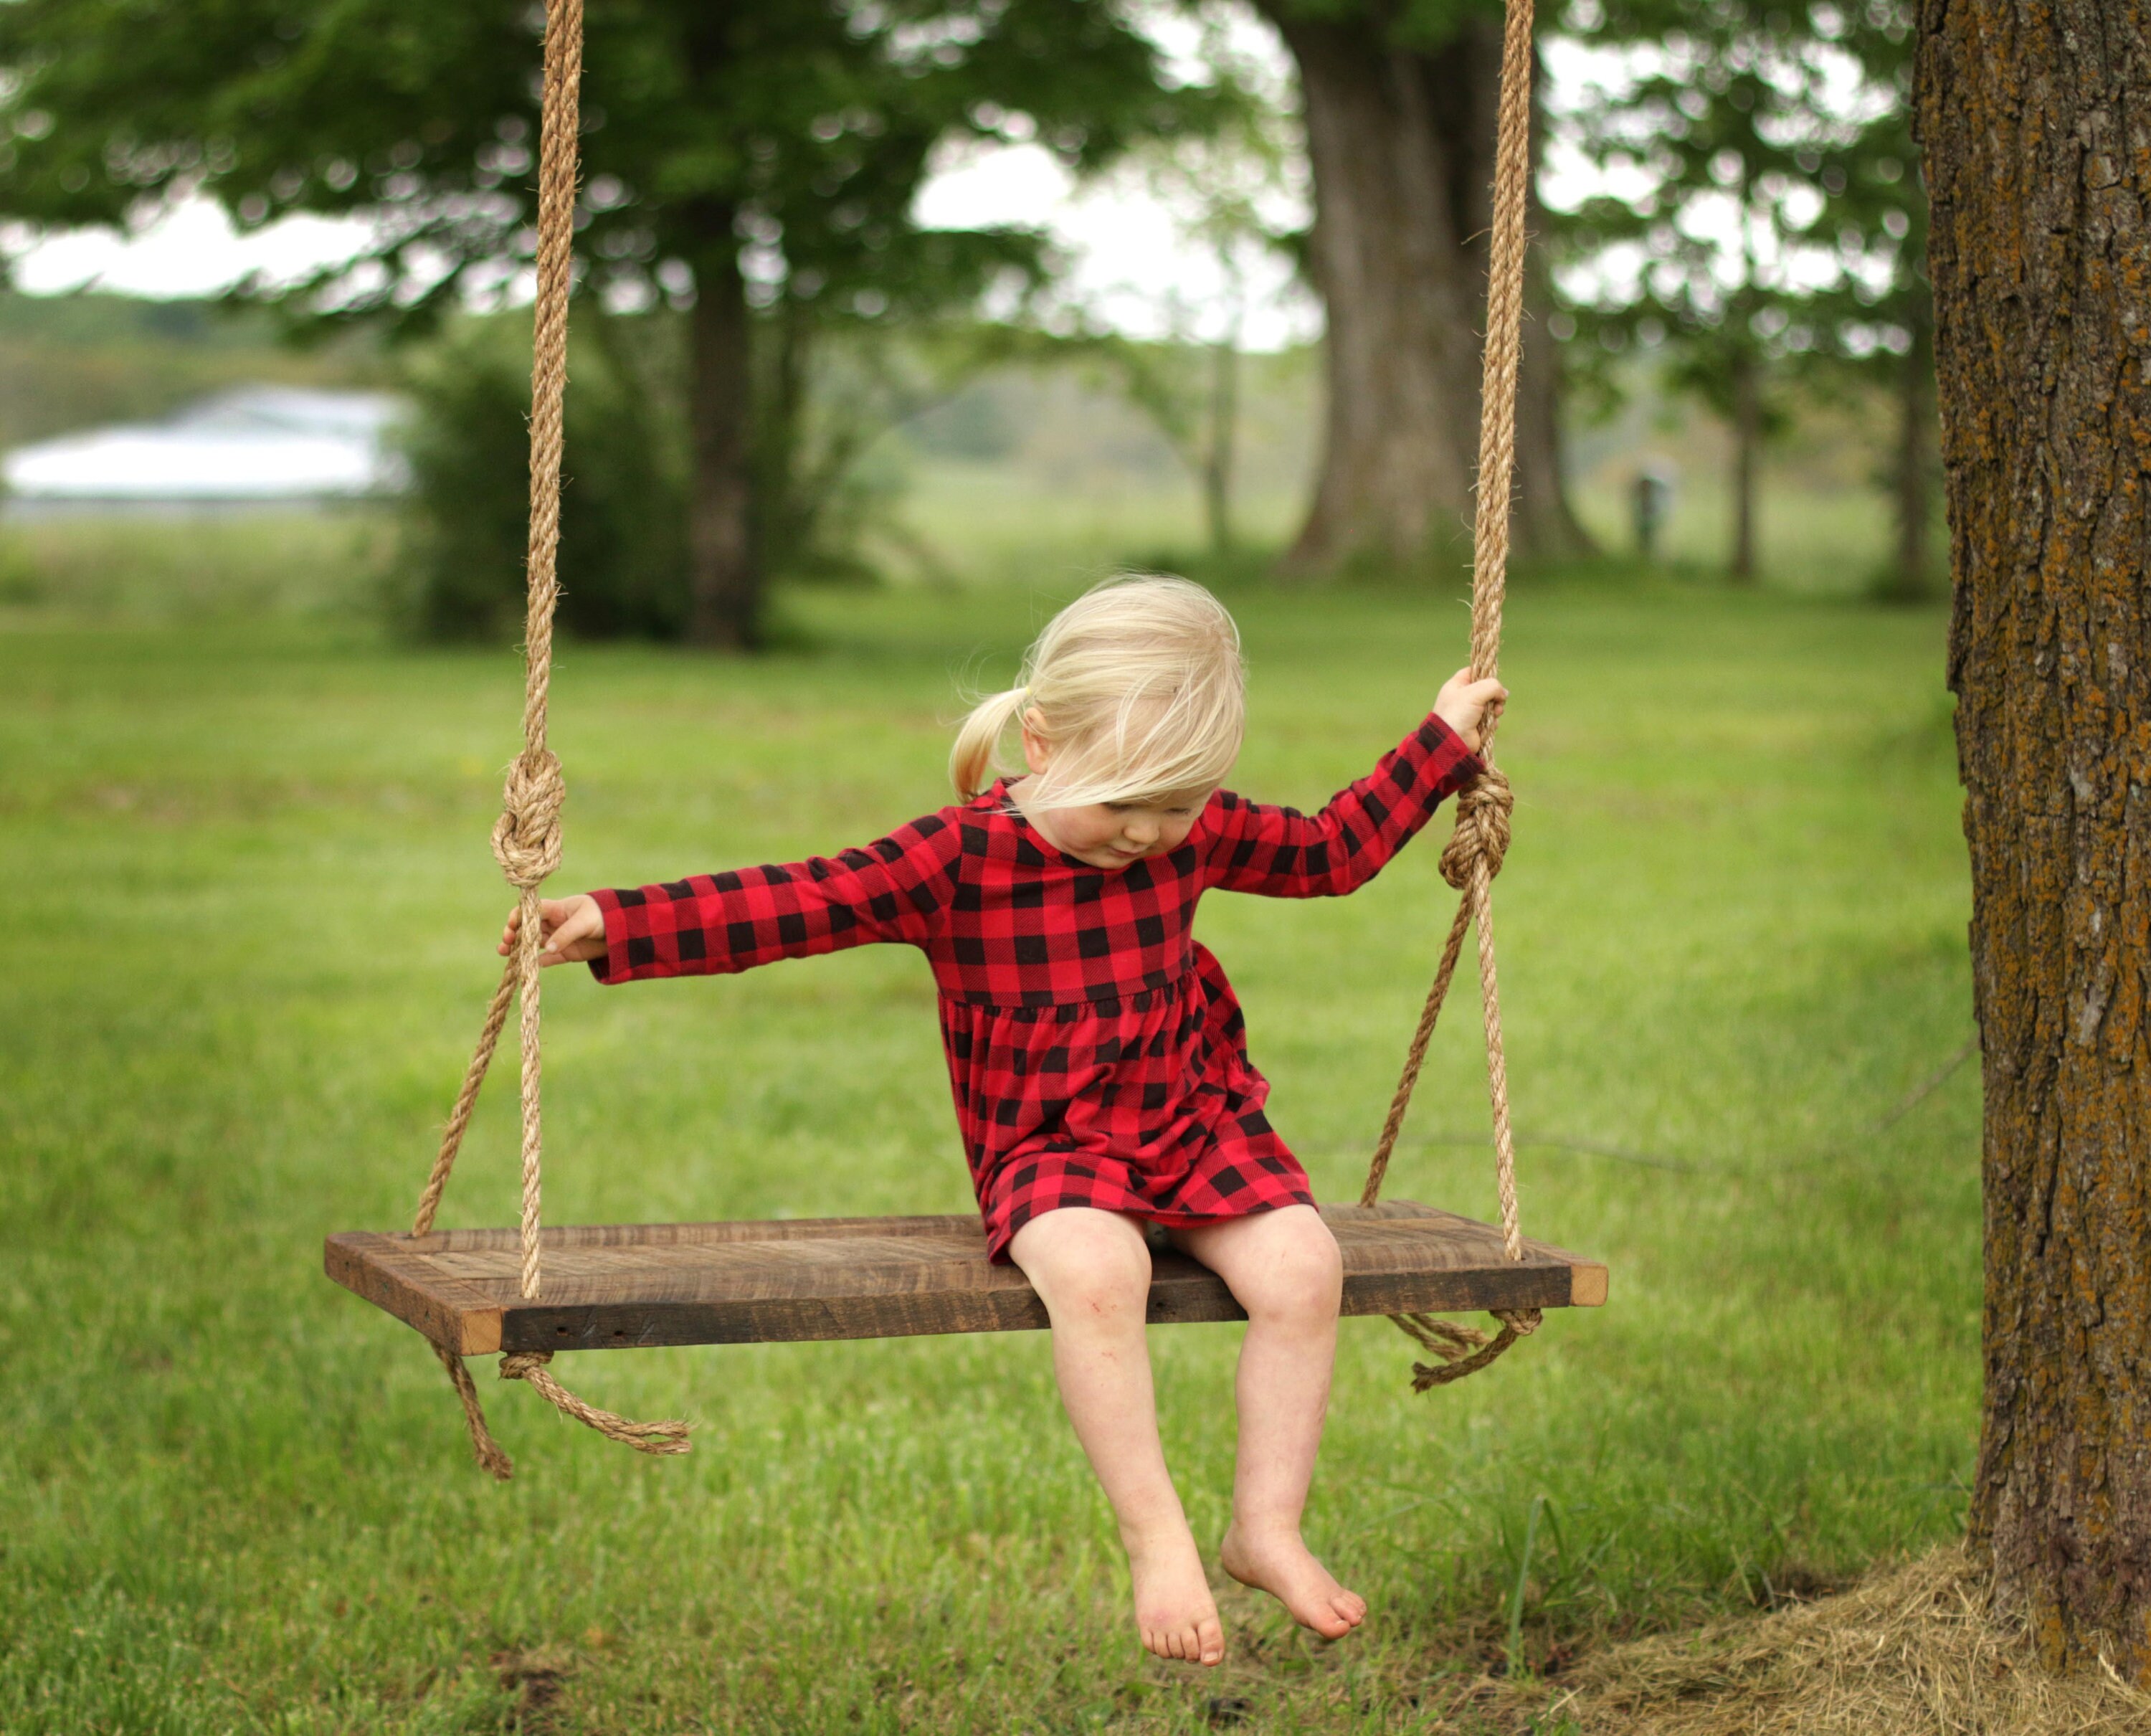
[
  {"x": 624, "y": 1286},
  {"x": 665, "y": 1235},
  {"x": 390, "y": 1272}
]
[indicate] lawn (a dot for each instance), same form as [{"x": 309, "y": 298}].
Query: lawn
[{"x": 253, "y": 910}]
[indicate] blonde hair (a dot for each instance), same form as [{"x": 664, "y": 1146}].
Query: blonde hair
[{"x": 1138, "y": 688}]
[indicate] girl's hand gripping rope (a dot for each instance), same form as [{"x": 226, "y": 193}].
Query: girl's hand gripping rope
[
  {"x": 574, "y": 930},
  {"x": 1468, "y": 706}
]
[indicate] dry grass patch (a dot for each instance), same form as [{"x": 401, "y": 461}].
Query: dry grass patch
[{"x": 1910, "y": 1652}]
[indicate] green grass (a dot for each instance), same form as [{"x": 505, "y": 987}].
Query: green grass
[
  {"x": 1817, "y": 542},
  {"x": 252, "y": 902},
  {"x": 990, "y": 520}
]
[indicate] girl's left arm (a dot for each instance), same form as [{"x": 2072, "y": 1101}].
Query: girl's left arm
[
  {"x": 1282, "y": 853},
  {"x": 895, "y": 890}
]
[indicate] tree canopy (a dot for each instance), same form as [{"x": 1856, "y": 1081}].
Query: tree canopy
[
  {"x": 768, "y": 154},
  {"x": 1750, "y": 149},
  {"x": 814, "y": 124}
]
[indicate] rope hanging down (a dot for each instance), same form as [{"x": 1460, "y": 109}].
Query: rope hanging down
[
  {"x": 1475, "y": 849},
  {"x": 526, "y": 839}
]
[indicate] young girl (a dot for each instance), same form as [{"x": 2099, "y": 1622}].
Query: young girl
[{"x": 1096, "y": 1051}]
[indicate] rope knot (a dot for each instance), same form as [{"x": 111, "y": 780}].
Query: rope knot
[
  {"x": 526, "y": 838},
  {"x": 1482, "y": 829}
]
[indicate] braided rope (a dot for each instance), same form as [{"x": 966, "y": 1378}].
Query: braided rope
[
  {"x": 661, "y": 1440},
  {"x": 452, "y": 1135},
  {"x": 526, "y": 839},
  {"x": 1475, "y": 850}
]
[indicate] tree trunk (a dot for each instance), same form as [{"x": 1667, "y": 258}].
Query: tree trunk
[
  {"x": 2030, "y": 120},
  {"x": 725, "y": 577},
  {"x": 1402, "y": 146},
  {"x": 1915, "y": 437},
  {"x": 1747, "y": 445},
  {"x": 789, "y": 493},
  {"x": 1219, "y": 457}
]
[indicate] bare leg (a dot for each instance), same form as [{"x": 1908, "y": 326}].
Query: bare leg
[
  {"x": 1283, "y": 1267},
  {"x": 1092, "y": 1268}
]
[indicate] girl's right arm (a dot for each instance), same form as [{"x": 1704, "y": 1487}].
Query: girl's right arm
[
  {"x": 1282, "y": 853},
  {"x": 895, "y": 890}
]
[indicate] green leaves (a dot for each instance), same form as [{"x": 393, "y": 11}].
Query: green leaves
[{"x": 797, "y": 134}]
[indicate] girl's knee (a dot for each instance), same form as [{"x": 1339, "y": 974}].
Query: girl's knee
[
  {"x": 1114, "y": 1283},
  {"x": 1302, "y": 1275},
  {"x": 1084, "y": 1261}
]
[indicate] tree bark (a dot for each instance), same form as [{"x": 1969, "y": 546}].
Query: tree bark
[
  {"x": 725, "y": 575},
  {"x": 1747, "y": 445},
  {"x": 2032, "y": 121},
  {"x": 1401, "y": 143},
  {"x": 789, "y": 492}
]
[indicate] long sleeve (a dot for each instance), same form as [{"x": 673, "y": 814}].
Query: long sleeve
[
  {"x": 1281, "y": 853},
  {"x": 895, "y": 889}
]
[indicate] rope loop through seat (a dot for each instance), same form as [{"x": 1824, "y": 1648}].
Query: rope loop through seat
[{"x": 662, "y": 1439}]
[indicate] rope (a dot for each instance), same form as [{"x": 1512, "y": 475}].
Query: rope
[
  {"x": 526, "y": 839},
  {"x": 1475, "y": 851},
  {"x": 661, "y": 1440},
  {"x": 452, "y": 1135}
]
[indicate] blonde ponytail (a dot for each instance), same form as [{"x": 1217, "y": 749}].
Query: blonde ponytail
[
  {"x": 1137, "y": 687},
  {"x": 975, "y": 759}
]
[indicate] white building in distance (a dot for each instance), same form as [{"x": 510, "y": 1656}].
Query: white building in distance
[{"x": 251, "y": 446}]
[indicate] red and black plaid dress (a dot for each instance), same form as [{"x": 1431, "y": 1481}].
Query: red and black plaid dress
[{"x": 1097, "y": 1054}]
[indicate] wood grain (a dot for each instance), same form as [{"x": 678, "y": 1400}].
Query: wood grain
[{"x": 622, "y": 1286}]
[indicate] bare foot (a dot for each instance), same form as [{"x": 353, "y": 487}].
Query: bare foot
[
  {"x": 1278, "y": 1563},
  {"x": 1175, "y": 1613}
]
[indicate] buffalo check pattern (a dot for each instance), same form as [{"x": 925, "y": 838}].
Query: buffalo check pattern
[{"x": 1097, "y": 1052}]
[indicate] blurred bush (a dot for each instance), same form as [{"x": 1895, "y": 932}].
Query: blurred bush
[
  {"x": 826, "y": 485},
  {"x": 623, "y": 552}
]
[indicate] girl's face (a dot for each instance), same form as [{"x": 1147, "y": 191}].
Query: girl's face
[
  {"x": 1116, "y": 834},
  {"x": 1113, "y": 834}
]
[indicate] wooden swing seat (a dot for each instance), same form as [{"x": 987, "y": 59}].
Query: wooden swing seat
[{"x": 618, "y": 1287}]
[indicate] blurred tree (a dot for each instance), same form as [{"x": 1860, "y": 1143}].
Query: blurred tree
[
  {"x": 1876, "y": 322},
  {"x": 761, "y": 156},
  {"x": 1190, "y": 391},
  {"x": 1737, "y": 127},
  {"x": 1399, "y": 99},
  {"x": 1227, "y": 189}
]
